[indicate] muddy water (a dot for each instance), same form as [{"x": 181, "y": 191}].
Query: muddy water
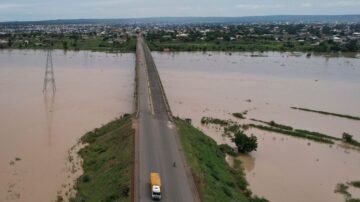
[
  {"x": 283, "y": 168},
  {"x": 92, "y": 89}
]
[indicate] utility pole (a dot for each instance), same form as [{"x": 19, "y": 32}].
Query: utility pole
[{"x": 49, "y": 79}]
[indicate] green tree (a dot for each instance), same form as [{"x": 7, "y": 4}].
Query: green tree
[
  {"x": 352, "y": 46},
  {"x": 244, "y": 143},
  {"x": 65, "y": 45},
  {"x": 10, "y": 42},
  {"x": 347, "y": 137}
]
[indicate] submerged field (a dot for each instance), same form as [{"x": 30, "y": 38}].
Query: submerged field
[{"x": 216, "y": 84}]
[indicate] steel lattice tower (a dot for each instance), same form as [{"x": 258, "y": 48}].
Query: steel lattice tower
[{"x": 49, "y": 79}]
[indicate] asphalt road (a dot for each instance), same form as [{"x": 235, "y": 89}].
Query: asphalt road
[{"x": 157, "y": 144}]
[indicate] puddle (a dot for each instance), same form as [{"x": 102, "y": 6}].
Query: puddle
[
  {"x": 92, "y": 89},
  {"x": 283, "y": 168}
]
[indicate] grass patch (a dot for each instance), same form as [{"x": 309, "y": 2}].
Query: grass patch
[
  {"x": 232, "y": 128},
  {"x": 328, "y": 113},
  {"x": 343, "y": 189},
  {"x": 226, "y": 149},
  {"x": 108, "y": 163},
  {"x": 274, "y": 124},
  {"x": 347, "y": 138},
  {"x": 239, "y": 45},
  {"x": 97, "y": 43},
  {"x": 216, "y": 121},
  {"x": 311, "y": 135},
  {"x": 215, "y": 179},
  {"x": 356, "y": 184},
  {"x": 316, "y": 136},
  {"x": 239, "y": 115},
  {"x": 293, "y": 133}
]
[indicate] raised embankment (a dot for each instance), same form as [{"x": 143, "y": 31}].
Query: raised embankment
[{"x": 157, "y": 146}]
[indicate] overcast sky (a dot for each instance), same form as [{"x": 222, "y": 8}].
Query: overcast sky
[{"x": 70, "y": 9}]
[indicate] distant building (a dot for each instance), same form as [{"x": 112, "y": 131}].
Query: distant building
[
  {"x": 3, "y": 42},
  {"x": 336, "y": 39},
  {"x": 182, "y": 35}
]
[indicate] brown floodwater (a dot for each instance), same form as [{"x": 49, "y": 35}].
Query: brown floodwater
[
  {"x": 40, "y": 129},
  {"x": 283, "y": 168}
]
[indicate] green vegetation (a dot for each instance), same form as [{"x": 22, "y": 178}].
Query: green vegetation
[
  {"x": 343, "y": 189},
  {"x": 238, "y": 115},
  {"x": 315, "y": 136},
  {"x": 328, "y": 113},
  {"x": 210, "y": 120},
  {"x": 274, "y": 124},
  {"x": 244, "y": 143},
  {"x": 232, "y": 128},
  {"x": 355, "y": 184},
  {"x": 215, "y": 179},
  {"x": 349, "y": 139},
  {"x": 108, "y": 163},
  {"x": 293, "y": 133},
  {"x": 248, "y": 45},
  {"x": 226, "y": 149},
  {"x": 76, "y": 42}
]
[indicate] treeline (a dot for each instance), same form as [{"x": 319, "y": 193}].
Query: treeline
[
  {"x": 69, "y": 41},
  {"x": 254, "y": 45}
]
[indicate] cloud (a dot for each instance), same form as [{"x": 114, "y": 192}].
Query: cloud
[
  {"x": 4, "y": 6},
  {"x": 343, "y": 4},
  {"x": 259, "y": 6},
  {"x": 306, "y": 5}
]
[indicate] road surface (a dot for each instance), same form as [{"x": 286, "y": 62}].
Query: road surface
[{"x": 157, "y": 145}]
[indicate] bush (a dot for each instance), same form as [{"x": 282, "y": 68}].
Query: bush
[
  {"x": 347, "y": 137},
  {"x": 356, "y": 184},
  {"x": 86, "y": 178},
  {"x": 238, "y": 115},
  {"x": 244, "y": 143},
  {"x": 226, "y": 149}
]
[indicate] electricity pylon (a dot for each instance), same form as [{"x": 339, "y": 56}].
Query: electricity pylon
[{"x": 49, "y": 79}]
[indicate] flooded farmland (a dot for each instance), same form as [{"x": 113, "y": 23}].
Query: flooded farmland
[
  {"x": 283, "y": 168},
  {"x": 37, "y": 130}
]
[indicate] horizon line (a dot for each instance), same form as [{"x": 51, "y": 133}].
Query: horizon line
[{"x": 149, "y": 17}]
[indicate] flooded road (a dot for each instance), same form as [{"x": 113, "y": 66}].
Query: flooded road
[
  {"x": 37, "y": 130},
  {"x": 283, "y": 168}
]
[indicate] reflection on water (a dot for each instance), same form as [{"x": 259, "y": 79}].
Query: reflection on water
[
  {"x": 49, "y": 103},
  {"x": 40, "y": 128},
  {"x": 283, "y": 168}
]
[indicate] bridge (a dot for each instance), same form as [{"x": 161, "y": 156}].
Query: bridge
[{"x": 157, "y": 145}]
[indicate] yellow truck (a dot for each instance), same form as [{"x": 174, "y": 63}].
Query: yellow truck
[{"x": 155, "y": 183}]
